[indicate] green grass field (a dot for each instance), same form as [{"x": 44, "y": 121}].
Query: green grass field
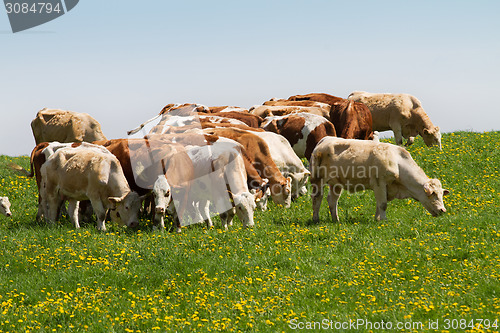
[{"x": 284, "y": 274}]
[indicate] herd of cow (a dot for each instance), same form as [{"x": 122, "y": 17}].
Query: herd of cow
[{"x": 193, "y": 161}]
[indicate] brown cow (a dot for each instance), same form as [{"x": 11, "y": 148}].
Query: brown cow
[
  {"x": 260, "y": 156},
  {"x": 352, "y": 120}
]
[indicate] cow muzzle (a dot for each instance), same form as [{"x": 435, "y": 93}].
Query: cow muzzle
[
  {"x": 8, "y": 214},
  {"x": 160, "y": 210},
  {"x": 133, "y": 224}
]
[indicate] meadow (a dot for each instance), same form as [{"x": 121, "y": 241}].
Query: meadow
[{"x": 282, "y": 275}]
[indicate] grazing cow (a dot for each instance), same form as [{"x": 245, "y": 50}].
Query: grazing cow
[
  {"x": 88, "y": 174},
  {"x": 162, "y": 198},
  {"x": 221, "y": 178},
  {"x": 302, "y": 130},
  {"x": 65, "y": 126},
  {"x": 39, "y": 155},
  {"x": 352, "y": 120},
  {"x": 401, "y": 113},
  {"x": 5, "y": 206},
  {"x": 276, "y": 110},
  {"x": 258, "y": 154},
  {"x": 287, "y": 161},
  {"x": 143, "y": 160},
  {"x": 356, "y": 165}
]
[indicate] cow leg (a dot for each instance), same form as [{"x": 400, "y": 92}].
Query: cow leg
[
  {"x": 227, "y": 218},
  {"x": 205, "y": 213},
  {"x": 73, "y": 206},
  {"x": 398, "y": 133},
  {"x": 54, "y": 202},
  {"x": 380, "y": 191},
  {"x": 333, "y": 199},
  {"x": 100, "y": 213},
  {"x": 317, "y": 197}
]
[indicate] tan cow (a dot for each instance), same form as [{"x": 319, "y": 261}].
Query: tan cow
[
  {"x": 401, "y": 113},
  {"x": 356, "y": 165},
  {"x": 65, "y": 126},
  {"x": 88, "y": 174}
]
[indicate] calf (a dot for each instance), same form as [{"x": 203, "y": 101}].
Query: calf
[
  {"x": 5, "y": 206},
  {"x": 302, "y": 130},
  {"x": 88, "y": 174},
  {"x": 356, "y": 165}
]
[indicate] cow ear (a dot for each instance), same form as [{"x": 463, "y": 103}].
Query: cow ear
[
  {"x": 114, "y": 201},
  {"x": 427, "y": 189},
  {"x": 446, "y": 192}
]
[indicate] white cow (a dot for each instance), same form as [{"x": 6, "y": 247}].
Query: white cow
[
  {"x": 356, "y": 165},
  {"x": 220, "y": 168},
  {"x": 401, "y": 113},
  {"x": 287, "y": 161},
  {"x": 88, "y": 174},
  {"x": 162, "y": 197},
  {"x": 5, "y": 206}
]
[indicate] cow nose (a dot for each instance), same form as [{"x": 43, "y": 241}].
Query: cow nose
[
  {"x": 9, "y": 214},
  {"x": 133, "y": 224},
  {"x": 160, "y": 210},
  {"x": 442, "y": 210}
]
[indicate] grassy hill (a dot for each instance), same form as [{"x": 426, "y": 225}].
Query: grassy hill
[{"x": 285, "y": 273}]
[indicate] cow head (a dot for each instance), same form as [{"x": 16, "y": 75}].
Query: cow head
[
  {"x": 5, "y": 206},
  {"x": 125, "y": 210},
  {"x": 245, "y": 206},
  {"x": 299, "y": 180},
  {"x": 162, "y": 194},
  {"x": 433, "y": 199},
  {"x": 282, "y": 192},
  {"x": 432, "y": 136}
]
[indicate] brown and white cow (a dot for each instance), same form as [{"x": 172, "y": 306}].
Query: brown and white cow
[
  {"x": 356, "y": 165},
  {"x": 143, "y": 160},
  {"x": 302, "y": 130},
  {"x": 257, "y": 151},
  {"x": 5, "y": 206},
  {"x": 287, "y": 161},
  {"x": 248, "y": 118},
  {"x": 352, "y": 120},
  {"x": 88, "y": 174},
  {"x": 65, "y": 126},
  {"x": 401, "y": 113}
]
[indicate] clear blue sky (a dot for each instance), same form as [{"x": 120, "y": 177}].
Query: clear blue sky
[{"x": 122, "y": 61}]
